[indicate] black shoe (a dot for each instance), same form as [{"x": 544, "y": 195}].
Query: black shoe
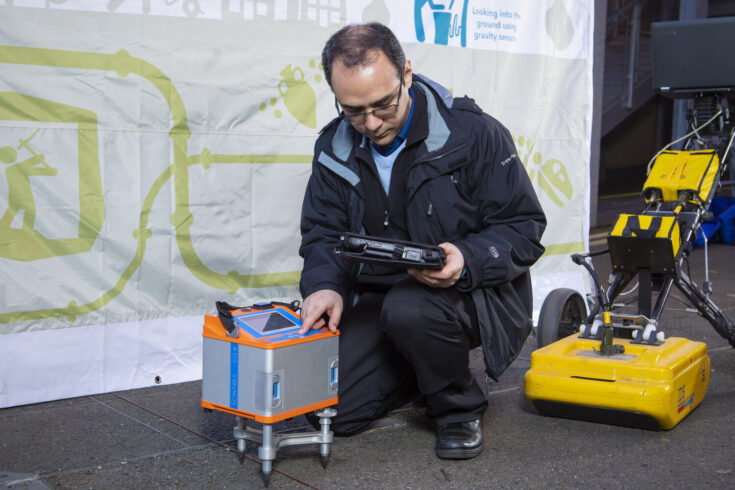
[{"x": 459, "y": 440}]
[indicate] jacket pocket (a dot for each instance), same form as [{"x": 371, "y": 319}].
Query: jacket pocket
[{"x": 450, "y": 215}]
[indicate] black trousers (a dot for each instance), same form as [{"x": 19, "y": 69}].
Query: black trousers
[{"x": 411, "y": 340}]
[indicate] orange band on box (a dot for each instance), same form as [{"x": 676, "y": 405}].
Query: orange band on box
[{"x": 273, "y": 418}]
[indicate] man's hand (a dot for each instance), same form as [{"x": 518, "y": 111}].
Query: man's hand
[
  {"x": 317, "y": 304},
  {"x": 447, "y": 275}
]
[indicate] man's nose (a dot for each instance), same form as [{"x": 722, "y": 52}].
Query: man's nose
[{"x": 372, "y": 122}]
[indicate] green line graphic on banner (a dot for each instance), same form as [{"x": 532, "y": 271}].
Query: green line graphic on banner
[
  {"x": 19, "y": 107},
  {"x": 564, "y": 249},
  {"x": 27, "y": 244}
]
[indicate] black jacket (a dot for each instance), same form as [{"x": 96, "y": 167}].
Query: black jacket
[{"x": 466, "y": 185}]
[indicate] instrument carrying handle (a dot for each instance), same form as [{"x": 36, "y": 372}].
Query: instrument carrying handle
[{"x": 224, "y": 312}]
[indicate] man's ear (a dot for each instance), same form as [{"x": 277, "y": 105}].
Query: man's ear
[{"x": 407, "y": 74}]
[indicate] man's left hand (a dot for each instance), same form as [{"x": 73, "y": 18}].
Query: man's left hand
[{"x": 447, "y": 275}]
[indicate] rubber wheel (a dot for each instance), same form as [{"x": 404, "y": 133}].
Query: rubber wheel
[{"x": 561, "y": 315}]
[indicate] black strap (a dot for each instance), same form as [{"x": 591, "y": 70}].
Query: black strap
[
  {"x": 224, "y": 311},
  {"x": 633, "y": 227}
]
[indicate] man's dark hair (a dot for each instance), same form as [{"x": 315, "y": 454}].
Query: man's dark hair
[{"x": 352, "y": 45}]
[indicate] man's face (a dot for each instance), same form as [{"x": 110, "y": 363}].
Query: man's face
[{"x": 373, "y": 86}]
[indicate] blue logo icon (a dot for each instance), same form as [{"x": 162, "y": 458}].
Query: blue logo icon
[{"x": 447, "y": 19}]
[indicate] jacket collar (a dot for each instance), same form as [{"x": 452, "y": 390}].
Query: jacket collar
[
  {"x": 342, "y": 141},
  {"x": 437, "y": 132}
]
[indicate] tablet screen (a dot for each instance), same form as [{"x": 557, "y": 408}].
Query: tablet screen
[{"x": 268, "y": 322}]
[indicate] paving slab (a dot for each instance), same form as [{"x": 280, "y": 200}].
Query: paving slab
[
  {"x": 160, "y": 436},
  {"x": 21, "y": 481}
]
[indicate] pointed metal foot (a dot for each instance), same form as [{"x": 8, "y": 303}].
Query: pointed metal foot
[
  {"x": 241, "y": 456},
  {"x": 325, "y": 460},
  {"x": 267, "y": 479}
]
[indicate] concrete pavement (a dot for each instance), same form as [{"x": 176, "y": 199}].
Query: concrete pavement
[{"x": 161, "y": 437}]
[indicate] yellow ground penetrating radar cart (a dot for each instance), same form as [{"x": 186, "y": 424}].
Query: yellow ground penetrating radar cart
[
  {"x": 646, "y": 381},
  {"x": 620, "y": 368}
]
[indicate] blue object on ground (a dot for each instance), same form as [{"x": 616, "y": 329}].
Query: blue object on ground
[
  {"x": 709, "y": 229},
  {"x": 727, "y": 222},
  {"x": 722, "y": 227}
]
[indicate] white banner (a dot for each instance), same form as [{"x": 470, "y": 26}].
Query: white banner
[{"x": 155, "y": 155}]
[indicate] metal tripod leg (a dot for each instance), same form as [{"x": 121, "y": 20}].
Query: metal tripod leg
[
  {"x": 270, "y": 442},
  {"x": 267, "y": 453},
  {"x": 325, "y": 420},
  {"x": 706, "y": 307},
  {"x": 240, "y": 440}
]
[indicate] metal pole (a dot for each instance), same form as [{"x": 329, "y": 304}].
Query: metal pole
[
  {"x": 267, "y": 453},
  {"x": 635, "y": 34},
  {"x": 688, "y": 9},
  {"x": 598, "y": 72}
]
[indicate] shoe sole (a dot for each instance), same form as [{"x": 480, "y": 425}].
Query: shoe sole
[{"x": 466, "y": 453}]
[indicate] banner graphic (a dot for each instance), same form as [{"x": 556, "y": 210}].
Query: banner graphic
[{"x": 154, "y": 156}]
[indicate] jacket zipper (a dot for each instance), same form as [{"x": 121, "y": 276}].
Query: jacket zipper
[
  {"x": 436, "y": 157},
  {"x": 434, "y": 222}
]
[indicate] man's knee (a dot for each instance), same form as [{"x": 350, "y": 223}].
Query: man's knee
[{"x": 412, "y": 310}]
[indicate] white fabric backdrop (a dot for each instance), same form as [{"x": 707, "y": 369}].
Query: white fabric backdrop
[{"x": 155, "y": 156}]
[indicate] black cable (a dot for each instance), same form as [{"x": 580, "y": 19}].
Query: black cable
[
  {"x": 581, "y": 259},
  {"x": 599, "y": 252}
]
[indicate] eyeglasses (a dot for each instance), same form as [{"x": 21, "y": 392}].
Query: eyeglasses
[{"x": 381, "y": 112}]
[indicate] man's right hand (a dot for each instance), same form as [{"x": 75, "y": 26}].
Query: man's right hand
[{"x": 317, "y": 304}]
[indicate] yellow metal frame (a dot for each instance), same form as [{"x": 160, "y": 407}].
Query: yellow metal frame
[{"x": 679, "y": 171}]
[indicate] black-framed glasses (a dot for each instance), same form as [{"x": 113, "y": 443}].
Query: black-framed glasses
[{"x": 381, "y": 112}]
